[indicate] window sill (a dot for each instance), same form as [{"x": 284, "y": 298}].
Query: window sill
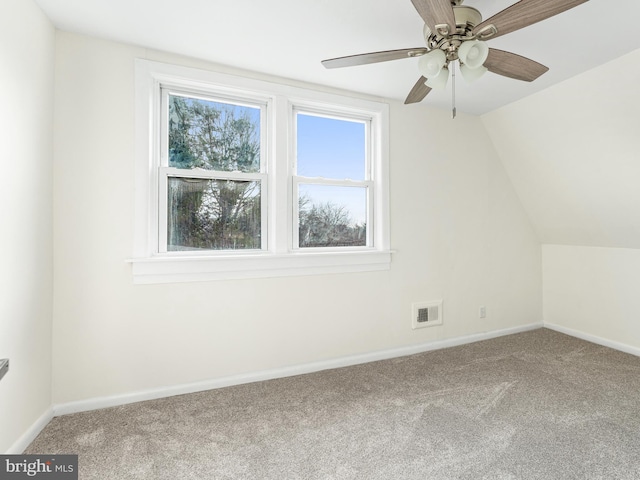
[{"x": 178, "y": 269}]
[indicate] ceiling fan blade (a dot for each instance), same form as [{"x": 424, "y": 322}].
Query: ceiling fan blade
[
  {"x": 513, "y": 66},
  {"x": 418, "y": 92},
  {"x": 436, "y": 12},
  {"x": 525, "y": 13},
  {"x": 373, "y": 57}
]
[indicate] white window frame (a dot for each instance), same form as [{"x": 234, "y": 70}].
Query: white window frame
[{"x": 278, "y": 256}]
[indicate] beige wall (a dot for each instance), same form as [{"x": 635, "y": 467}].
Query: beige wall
[
  {"x": 26, "y": 251},
  {"x": 457, "y": 227}
]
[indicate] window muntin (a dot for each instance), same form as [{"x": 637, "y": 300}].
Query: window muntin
[
  {"x": 212, "y": 179},
  {"x": 332, "y": 181}
]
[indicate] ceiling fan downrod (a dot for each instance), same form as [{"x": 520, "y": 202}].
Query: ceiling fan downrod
[{"x": 453, "y": 90}]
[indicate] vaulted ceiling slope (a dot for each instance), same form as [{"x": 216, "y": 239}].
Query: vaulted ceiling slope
[
  {"x": 573, "y": 155},
  {"x": 289, "y": 38}
]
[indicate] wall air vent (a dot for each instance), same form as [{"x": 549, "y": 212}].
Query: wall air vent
[{"x": 426, "y": 314}]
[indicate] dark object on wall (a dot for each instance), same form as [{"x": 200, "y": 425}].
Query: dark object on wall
[{"x": 4, "y": 367}]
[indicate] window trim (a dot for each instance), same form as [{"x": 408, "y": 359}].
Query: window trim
[{"x": 280, "y": 258}]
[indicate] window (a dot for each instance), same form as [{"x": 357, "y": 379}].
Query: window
[
  {"x": 332, "y": 181},
  {"x": 240, "y": 178},
  {"x": 211, "y": 174}
]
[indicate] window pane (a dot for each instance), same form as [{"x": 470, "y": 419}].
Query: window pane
[
  {"x": 331, "y": 216},
  {"x": 213, "y": 214},
  {"x": 213, "y": 135},
  {"x": 330, "y": 148}
]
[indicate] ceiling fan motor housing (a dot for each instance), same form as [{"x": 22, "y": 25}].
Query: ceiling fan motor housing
[{"x": 466, "y": 20}]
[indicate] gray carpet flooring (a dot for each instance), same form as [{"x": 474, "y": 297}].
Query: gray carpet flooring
[{"x": 535, "y": 405}]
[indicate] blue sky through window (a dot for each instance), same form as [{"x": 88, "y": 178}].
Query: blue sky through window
[
  {"x": 330, "y": 147},
  {"x": 334, "y": 149}
]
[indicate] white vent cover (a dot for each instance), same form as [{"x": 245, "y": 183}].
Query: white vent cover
[{"x": 426, "y": 314}]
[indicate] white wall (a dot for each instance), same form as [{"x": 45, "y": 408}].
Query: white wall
[
  {"x": 26, "y": 251},
  {"x": 594, "y": 291},
  {"x": 572, "y": 154},
  {"x": 457, "y": 225}
]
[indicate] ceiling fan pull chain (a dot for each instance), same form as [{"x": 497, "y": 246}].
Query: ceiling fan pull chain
[{"x": 453, "y": 90}]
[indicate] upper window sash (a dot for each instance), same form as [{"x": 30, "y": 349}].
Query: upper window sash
[
  {"x": 339, "y": 113},
  {"x": 212, "y": 95}
]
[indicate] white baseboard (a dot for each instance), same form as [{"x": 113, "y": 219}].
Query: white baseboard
[
  {"x": 29, "y": 436},
  {"x": 623, "y": 347},
  {"x": 115, "y": 400}
]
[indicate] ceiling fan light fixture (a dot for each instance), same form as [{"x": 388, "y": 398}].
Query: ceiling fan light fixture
[
  {"x": 473, "y": 53},
  {"x": 432, "y": 63},
  {"x": 472, "y": 74},
  {"x": 440, "y": 81}
]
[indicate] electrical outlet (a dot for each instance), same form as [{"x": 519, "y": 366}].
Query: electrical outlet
[{"x": 482, "y": 312}]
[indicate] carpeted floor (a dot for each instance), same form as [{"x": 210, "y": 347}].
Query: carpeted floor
[{"x": 536, "y": 405}]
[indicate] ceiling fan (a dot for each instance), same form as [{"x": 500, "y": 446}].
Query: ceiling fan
[{"x": 454, "y": 32}]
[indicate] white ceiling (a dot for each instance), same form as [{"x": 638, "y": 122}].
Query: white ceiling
[{"x": 289, "y": 38}]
